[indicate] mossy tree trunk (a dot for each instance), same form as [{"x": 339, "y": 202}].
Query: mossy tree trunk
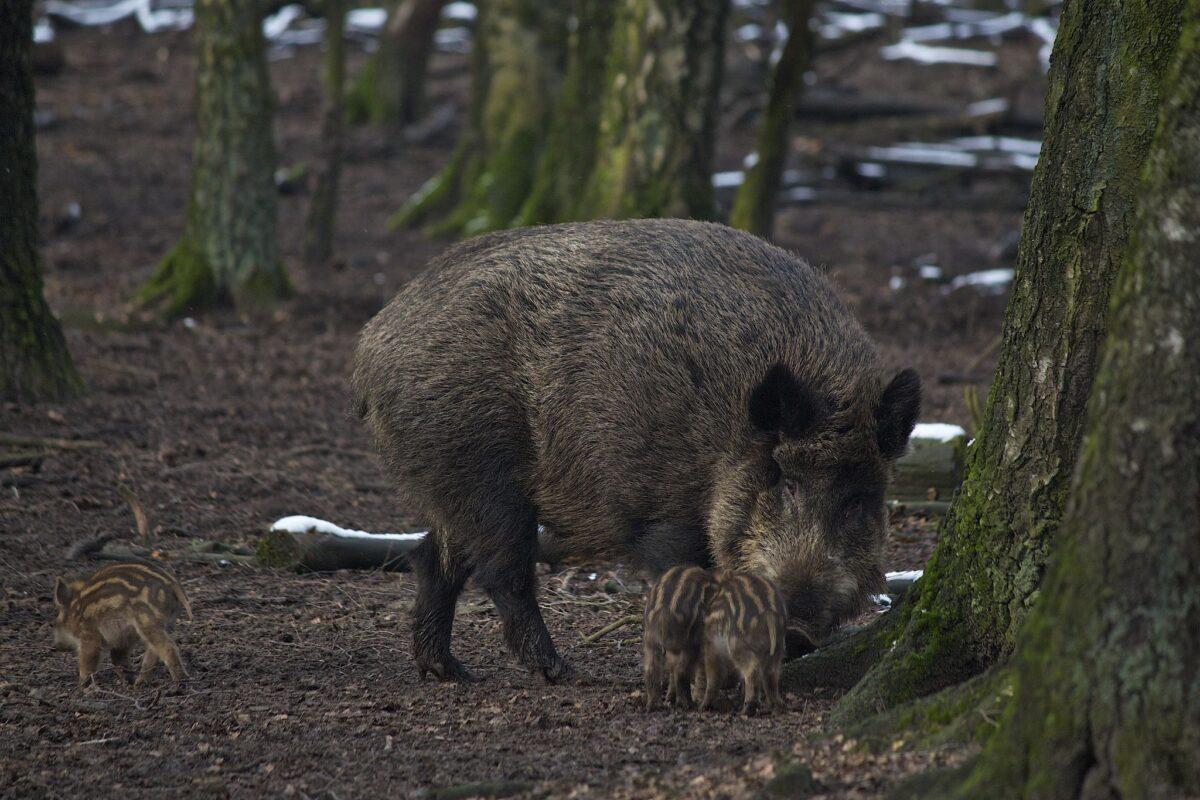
[
  {"x": 754, "y": 204},
  {"x": 322, "y": 210},
  {"x": 658, "y": 112},
  {"x": 570, "y": 152},
  {"x": 1102, "y": 105},
  {"x": 391, "y": 88},
  {"x": 1107, "y": 697},
  {"x": 229, "y": 251},
  {"x": 34, "y": 362},
  {"x": 517, "y": 64}
]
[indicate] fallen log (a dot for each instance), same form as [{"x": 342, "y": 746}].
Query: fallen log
[{"x": 306, "y": 544}]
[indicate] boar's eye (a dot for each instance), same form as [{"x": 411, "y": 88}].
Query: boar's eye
[{"x": 861, "y": 505}]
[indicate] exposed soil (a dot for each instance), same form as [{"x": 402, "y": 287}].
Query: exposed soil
[{"x": 302, "y": 684}]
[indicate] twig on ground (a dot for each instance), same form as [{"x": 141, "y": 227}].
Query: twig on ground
[
  {"x": 50, "y": 442},
  {"x": 596, "y": 636},
  {"x": 139, "y": 514}
]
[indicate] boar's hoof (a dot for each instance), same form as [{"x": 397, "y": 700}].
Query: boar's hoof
[
  {"x": 557, "y": 671},
  {"x": 447, "y": 670}
]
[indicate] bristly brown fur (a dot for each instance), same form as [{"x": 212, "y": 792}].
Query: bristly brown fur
[
  {"x": 745, "y": 629},
  {"x": 673, "y": 632},
  {"x": 676, "y": 390},
  {"x": 115, "y": 607}
]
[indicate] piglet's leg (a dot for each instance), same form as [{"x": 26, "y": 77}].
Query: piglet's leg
[
  {"x": 89, "y": 658},
  {"x": 652, "y": 668},
  {"x": 120, "y": 660},
  {"x": 149, "y": 662},
  {"x": 157, "y": 640}
]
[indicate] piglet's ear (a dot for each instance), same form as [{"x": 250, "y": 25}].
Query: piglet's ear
[
  {"x": 62, "y": 592},
  {"x": 897, "y": 413},
  {"x": 781, "y": 405}
]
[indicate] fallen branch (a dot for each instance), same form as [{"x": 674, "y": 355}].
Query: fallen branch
[
  {"x": 90, "y": 545},
  {"x": 596, "y": 636},
  {"x": 14, "y": 440},
  {"x": 317, "y": 546},
  {"x": 125, "y": 553},
  {"x": 20, "y": 459}
]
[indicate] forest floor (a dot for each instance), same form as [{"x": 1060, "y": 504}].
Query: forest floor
[{"x": 302, "y": 685}]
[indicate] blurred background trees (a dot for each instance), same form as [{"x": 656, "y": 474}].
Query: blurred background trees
[
  {"x": 229, "y": 251},
  {"x": 34, "y": 362}
]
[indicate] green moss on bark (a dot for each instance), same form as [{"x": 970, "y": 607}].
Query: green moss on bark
[
  {"x": 230, "y": 229},
  {"x": 390, "y": 90},
  {"x": 1107, "y": 700},
  {"x": 658, "y": 113},
  {"x": 754, "y": 204},
  {"x": 34, "y": 362},
  {"x": 516, "y": 67},
  {"x": 993, "y": 544}
]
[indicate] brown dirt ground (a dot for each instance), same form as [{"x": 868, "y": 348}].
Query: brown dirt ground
[{"x": 302, "y": 684}]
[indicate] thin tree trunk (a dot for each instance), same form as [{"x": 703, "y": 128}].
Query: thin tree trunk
[
  {"x": 322, "y": 210},
  {"x": 516, "y": 66},
  {"x": 658, "y": 113},
  {"x": 229, "y": 250},
  {"x": 1107, "y": 700},
  {"x": 754, "y": 205},
  {"x": 34, "y": 362},
  {"x": 1105, "y": 83},
  {"x": 570, "y": 151},
  {"x": 391, "y": 88}
]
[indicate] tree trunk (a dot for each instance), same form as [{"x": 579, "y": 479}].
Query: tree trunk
[
  {"x": 516, "y": 67},
  {"x": 322, "y": 210},
  {"x": 570, "y": 151},
  {"x": 1102, "y": 103},
  {"x": 34, "y": 362},
  {"x": 1107, "y": 700},
  {"x": 754, "y": 205},
  {"x": 229, "y": 251},
  {"x": 391, "y": 88},
  {"x": 658, "y": 111}
]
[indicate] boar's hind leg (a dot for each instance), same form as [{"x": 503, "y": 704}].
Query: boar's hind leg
[
  {"x": 439, "y": 582},
  {"x": 505, "y": 570}
]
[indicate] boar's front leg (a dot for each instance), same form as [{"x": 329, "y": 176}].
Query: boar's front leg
[
  {"x": 505, "y": 571},
  {"x": 440, "y": 578}
]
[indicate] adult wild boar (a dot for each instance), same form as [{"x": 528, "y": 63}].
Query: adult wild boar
[{"x": 678, "y": 390}]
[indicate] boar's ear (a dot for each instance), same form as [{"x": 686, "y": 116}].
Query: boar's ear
[
  {"x": 62, "y": 592},
  {"x": 782, "y": 406},
  {"x": 897, "y": 413}
]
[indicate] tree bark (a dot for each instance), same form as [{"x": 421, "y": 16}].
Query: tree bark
[
  {"x": 34, "y": 362},
  {"x": 1107, "y": 699},
  {"x": 322, "y": 210},
  {"x": 1102, "y": 105},
  {"x": 391, "y": 88},
  {"x": 516, "y": 67},
  {"x": 570, "y": 152},
  {"x": 229, "y": 251},
  {"x": 658, "y": 112},
  {"x": 754, "y": 205}
]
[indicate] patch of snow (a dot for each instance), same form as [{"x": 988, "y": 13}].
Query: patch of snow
[
  {"x": 463, "y": 12},
  {"x": 454, "y": 40},
  {"x": 909, "y": 575},
  {"x": 930, "y": 272},
  {"x": 982, "y": 108},
  {"x": 728, "y": 180},
  {"x": 301, "y": 524},
  {"x": 43, "y": 31},
  {"x": 870, "y": 169},
  {"x": 940, "y": 431},
  {"x": 748, "y": 32},
  {"x": 896, "y": 283},
  {"x": 924, "y": 54},
  {"x": 991, "y": 279},
  {"x": 800, "y": 194},
  {"x": 274, "y": 25},
  {"x": 366, "y": 20},
  {"x": 915, "y": 153},
  {"x": 750, "y": 160},
  {"x": 1003, "y": 144}
]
